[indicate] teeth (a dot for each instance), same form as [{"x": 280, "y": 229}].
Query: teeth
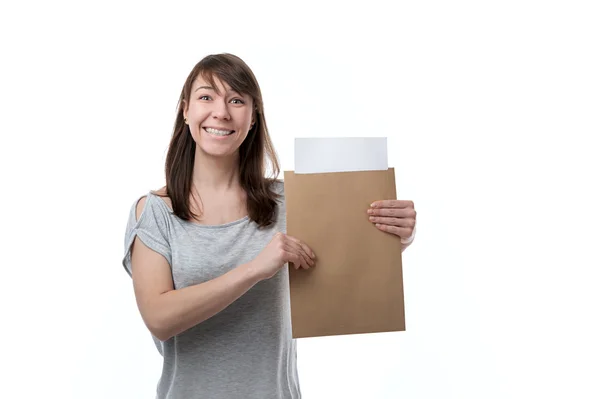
[{"x": 218, "y": 132}]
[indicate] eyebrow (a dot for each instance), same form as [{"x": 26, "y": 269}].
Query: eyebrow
[
  {"x": 213, "y": 89},
  {"x": 204, "y": 87}
]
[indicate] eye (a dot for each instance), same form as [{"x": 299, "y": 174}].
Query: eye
[
  {"x": 204, "y": 97},
  {"x": 237, "y": 99}
]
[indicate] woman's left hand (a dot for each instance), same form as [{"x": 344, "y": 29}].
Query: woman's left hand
[{"x": 394, "y": 216}]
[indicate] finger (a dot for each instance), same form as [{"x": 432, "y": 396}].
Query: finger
[
  {"x": 393, "y": 204},
  {"x": 293, "y": 245},
  {"x": 393, "y": 212},
  {"x": 297, "y": 259},
  {"x": 401, "y": 222},
  {"x": 297, "y": 249},
  {"x": 305, "y": 247},
  {"x": 401, "y": 232}
]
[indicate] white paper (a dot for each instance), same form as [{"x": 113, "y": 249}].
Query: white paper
[{"x": 340, "y": 154}]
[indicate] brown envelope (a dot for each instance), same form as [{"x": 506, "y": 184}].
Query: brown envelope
[{"x": 356, "y": 285}]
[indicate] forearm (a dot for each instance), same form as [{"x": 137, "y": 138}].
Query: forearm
[{"x": 178, "y": 310}]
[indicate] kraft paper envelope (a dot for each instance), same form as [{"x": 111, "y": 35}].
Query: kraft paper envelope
[{"x": 356, "y": 286}]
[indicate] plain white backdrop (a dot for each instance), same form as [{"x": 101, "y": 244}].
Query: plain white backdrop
[{"x": 491, "y": 110}]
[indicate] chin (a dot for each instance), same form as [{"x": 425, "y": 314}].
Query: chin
[{"x": 211, "y": 151}]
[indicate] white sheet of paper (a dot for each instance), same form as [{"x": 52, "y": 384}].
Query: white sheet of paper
[{"x": 340, "y": 154}]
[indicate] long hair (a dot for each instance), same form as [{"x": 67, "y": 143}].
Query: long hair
[{"x": 255, "y": 150}]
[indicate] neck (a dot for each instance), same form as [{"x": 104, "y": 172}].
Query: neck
[{"x": 215, "y": 173}]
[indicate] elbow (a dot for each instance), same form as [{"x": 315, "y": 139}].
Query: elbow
[
  {"x": 159, "y": 328},
  {"x": 160, "y": 333}
]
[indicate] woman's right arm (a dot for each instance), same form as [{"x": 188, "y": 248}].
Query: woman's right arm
[{"x": 168, "y": 312}]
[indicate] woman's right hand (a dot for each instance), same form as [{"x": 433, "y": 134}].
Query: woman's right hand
[{"x": 282, "y": 248}]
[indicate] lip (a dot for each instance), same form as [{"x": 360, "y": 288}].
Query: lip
[
  {"x": 217, "y": 128},
  {"x": 215, "y": 137}
]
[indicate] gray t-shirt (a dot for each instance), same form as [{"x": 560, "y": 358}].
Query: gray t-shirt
[{"x": 246, "y": 350}]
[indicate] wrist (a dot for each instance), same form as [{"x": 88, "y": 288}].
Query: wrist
[{"x": 252, "y": 272}]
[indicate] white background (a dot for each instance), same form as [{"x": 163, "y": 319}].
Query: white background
[{"x": 492, "y": 113}]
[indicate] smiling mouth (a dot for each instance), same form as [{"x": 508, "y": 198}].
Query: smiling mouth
[{"x": 218, "y": 132}]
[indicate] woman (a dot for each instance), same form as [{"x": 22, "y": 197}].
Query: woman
[{"x": 207, "y": 251}]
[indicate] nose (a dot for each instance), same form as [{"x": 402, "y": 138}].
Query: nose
[{"x": 220, "y": 110}]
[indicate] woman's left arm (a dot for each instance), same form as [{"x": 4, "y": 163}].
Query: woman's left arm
[{"x": 396, "y": 217}]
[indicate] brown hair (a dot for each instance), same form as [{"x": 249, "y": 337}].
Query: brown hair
[{"x": 261, "y": 200}]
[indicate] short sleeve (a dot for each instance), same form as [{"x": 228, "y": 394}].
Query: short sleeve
[
  {"x": 151, "y": 228},
  {"x": 279, "y": 189}
]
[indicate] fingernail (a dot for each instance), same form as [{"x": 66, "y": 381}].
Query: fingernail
[
  {"x": 371, "y": 218},
  {"x": 373, "y": 205},
  {"x": 370, "y": 211},
  {"x": 377, "y": 225}
]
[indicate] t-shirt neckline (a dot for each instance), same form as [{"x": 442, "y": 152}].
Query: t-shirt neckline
[{"x": 198, "y": 225}]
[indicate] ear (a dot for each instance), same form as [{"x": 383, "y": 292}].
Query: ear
[
  {"x": 185, "y": 110},
  {"x": 254, "y": 115}
]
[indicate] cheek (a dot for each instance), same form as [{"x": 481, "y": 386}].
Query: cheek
[
  {"x": 194, "y": 121},
  {"x": 194, "y": 115},
  {"x": 197, "y": 111},
  {"x": 247, "y": 118}
]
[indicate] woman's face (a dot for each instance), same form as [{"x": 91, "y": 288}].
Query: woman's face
[{"x": 219, "y": 123}]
